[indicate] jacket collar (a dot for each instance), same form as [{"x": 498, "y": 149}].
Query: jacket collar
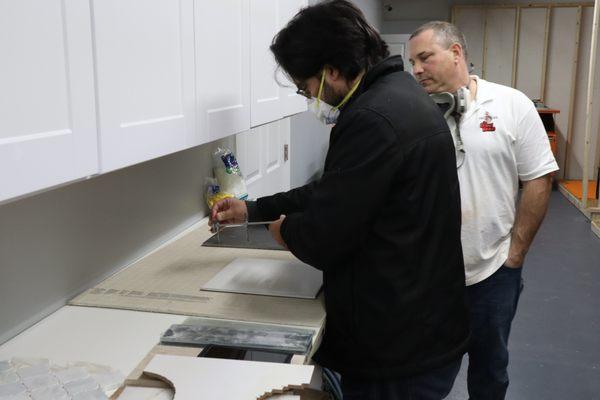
[
  {"x": 384, "y": 67},
  {"x": 484, "y": 91}
]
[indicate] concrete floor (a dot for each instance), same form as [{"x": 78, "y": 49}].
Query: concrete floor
[{"x": 555, "y": 339}]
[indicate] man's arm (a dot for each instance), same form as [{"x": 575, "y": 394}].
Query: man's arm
[{"x": 530, "y": 214}]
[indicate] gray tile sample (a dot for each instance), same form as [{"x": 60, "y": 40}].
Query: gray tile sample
[
  {"x": 289, "y": 340},
  {"x": 283, "y": 278},
  {"x": 258, "y": 235}
]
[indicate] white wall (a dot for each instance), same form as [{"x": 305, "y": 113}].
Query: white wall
[{"x": 58, "y": 243}]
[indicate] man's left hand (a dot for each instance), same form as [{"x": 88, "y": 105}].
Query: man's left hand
[
  {"x": 275, "y": 229},
  {"x": 514, "y": 261}
]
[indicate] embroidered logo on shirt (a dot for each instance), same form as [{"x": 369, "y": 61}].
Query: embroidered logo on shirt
[{"x": 487, "y": 125}]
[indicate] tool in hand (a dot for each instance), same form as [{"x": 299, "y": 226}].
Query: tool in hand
[{"x": 217, "y": 227}]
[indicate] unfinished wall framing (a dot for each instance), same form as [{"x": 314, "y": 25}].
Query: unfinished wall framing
[{"x": 544, "y": 51}]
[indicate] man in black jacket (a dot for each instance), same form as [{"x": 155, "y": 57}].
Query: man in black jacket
[{"x": 383, "y": 222}]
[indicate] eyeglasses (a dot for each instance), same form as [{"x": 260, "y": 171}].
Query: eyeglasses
[{"x": 304, "y": 93}]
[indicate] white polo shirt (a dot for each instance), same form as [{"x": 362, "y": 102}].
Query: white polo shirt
[{"x": 504, "y": 141}]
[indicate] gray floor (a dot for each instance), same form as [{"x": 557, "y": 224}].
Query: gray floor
[{"x": 555, "y": 339}]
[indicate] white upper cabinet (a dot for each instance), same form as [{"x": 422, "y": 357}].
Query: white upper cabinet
[
  {"x": 263, "y": 154},
  {"x": 291, "y": 102},
  {"x": 273, "y": 95},
  {"x": 222, "y": 68},
  {"x": 265, "y": 92},
  {"x": 145, "y": 79},
  {"x": 47, "y": 118}
]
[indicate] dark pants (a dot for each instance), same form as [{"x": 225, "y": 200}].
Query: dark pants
[
  {"x": 432, "y": 385},
  {"x": 492, "y": 303}
]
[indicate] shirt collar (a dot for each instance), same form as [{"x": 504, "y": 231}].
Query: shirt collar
[{"x": 483, "y": 90}]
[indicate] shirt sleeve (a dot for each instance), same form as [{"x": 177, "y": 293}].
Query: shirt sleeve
[{"x": 533, "y": 154}]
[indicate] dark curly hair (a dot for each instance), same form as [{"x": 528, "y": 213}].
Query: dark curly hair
[{"x": 334, "y": 33}]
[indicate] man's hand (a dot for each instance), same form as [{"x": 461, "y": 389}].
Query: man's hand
[
  {"x": 530, "y": 214},
  {"x": 275, "y": 229},
  {"x": 229, "y": 211},
  {"x": 514, "y": 261}
]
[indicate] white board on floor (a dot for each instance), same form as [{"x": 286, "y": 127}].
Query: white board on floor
[
  {"x": 561, "y": 53},
  {"x": 471, "y": 22},
  {"x": 579, "y": 108},
  {"x": 284, "y": 278},
  {"x": 218, "y": 379},
  {"x": 531, "y": 51},
  {"x": 500, "y": 37}
]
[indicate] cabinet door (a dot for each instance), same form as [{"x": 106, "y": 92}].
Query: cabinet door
[
  {"x": 291, "y": 102},
  {"x": 266, "y": 104},
  {"x": 263, "y": 155},
  {"x": 47, "y": 117},
  {"x": 222, "y": 68},
  {"x": 145, "y": 74}
]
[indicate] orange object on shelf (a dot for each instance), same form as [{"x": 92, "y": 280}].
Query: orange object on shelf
[{"x": 576, "y": 188}]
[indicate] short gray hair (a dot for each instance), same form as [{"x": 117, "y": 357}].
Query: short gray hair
[{"x": 446, "y": 33}]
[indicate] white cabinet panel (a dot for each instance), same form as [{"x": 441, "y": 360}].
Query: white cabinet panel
[
  {"x": 145, "y": 74},
  {"x": 222, "y": 67},
  {"x": 249, "y": 152},
  {"x": 47, "y": 116},
  {"x": 261, "y": 155},
  {"x": 291, "y": 102},
  {"x": 265, "y": 92}
]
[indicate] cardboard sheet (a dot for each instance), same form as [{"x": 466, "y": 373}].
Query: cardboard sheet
[
  {"x": 169, "y": 281},
  {"x": 213, "y": 379}
]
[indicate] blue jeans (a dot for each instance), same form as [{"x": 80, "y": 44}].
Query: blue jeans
[
  {"x": 493, "y": 304},
  {"x": 431, "y": 385}
]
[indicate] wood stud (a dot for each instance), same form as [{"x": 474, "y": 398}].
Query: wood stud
[
  {"x": 573, "y": 94},
  {"x": 515, "y": 65},
  {"x": 484, "y": 60},
  {"x": 545, "y": 57},
  {"x": 533, "y": 5}
]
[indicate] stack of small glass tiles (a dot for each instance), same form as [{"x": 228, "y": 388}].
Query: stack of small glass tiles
[{"x": 37, "y": 379}]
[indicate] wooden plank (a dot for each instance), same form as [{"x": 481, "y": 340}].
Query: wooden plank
[
  {"x": 561, "y": 53},
  {"x": 572, "y": 95},
  {"x": 500, "y": 45},
  {"x": 485, "y": 45},
  {"x": 531, "y": 5},
  {"x": 516, "y": 47},
  {"x": 546, "y": 44},
  {"x": 471, "y": 24},
  {"x": 577, "y": 144},
  {"x": 531, "y": 62}
]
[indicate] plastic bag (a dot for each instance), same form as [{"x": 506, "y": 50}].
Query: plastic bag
[
  {"x": 213, "y": 192},
  {"x": 228, "y": 174}
]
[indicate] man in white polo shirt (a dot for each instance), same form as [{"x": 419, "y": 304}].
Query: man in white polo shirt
[{"x": 500, "y": 140}]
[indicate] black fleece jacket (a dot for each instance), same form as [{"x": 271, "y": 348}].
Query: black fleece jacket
[{"x": 383, "y": 224}]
